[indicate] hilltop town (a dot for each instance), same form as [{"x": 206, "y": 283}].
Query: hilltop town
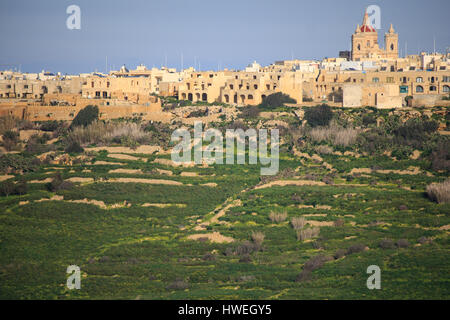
[
  {"x": 361, "y": 150},
  {"x": 369, "y": 75}
]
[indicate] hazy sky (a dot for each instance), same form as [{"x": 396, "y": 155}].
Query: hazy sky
[{"x": 232, "y": 33}]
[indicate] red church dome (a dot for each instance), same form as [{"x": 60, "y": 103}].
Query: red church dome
[{"x": 366, "y": 26}]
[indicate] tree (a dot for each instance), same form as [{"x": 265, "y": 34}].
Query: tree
[
  {"x": 319, "y": 115},
  {"x": 10, "y": 139},
  {"x": 86, "y": 116},
  {"x": 276, "y": 100}
]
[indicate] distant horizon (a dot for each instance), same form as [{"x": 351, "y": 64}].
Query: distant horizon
[{"x": 211, "y": 34}]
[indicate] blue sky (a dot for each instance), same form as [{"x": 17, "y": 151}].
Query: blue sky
[{"x": 231, "y": 33}]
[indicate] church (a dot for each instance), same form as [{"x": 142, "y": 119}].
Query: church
[{"x": 365, "y": 43}]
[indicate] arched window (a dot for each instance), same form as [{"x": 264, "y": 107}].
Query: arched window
[
  {"x": 392, "y": 47},
  {"x": 359, "y": 47},
  {"x": 446, "y": 89},
  {"x": 419, "y": 79},
  {"x": 250, "y": 97},
  {"x": 419, "y": 89}
]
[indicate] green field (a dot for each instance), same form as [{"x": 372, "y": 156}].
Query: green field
[{"x": 134, "y": 247}]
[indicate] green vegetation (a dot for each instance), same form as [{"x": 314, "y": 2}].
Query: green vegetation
[
  {"x": 367, "y": 187},
  {"x": 85, "y": 116}
]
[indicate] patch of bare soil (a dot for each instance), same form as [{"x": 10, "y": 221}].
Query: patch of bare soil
[
  {"x": 213, "y": 237},
  {"x": 108, "y": 163},
  {"x": 165, "y": 172},
  {"x": 140, "y": 149},
  {"x": 169, "y": 162},
  {"x": 415, "y": 155},
  {"x": 6, "y": 177},
  {"x": 46, "y": 180},
  {"x": 210, "y": 184},
  {"x": 361, "y": 170},
  {"x": 283, "y": 183},
  {"x": 149, "y": 181},
  {"x": 80, "y": 179},
  {"x": 131, "y": 171},
  {"x": 189, "y": 174},
  {"x": 446, "y": 227},
  {"x": 54, "y": 198},
  {"x": 320, "y": 223},
  {"x": 165, "y": 205},
  {"x": 101, "y": 204},
  {"x": 122, "y": 156}
]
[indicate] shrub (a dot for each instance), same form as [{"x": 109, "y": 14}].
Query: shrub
[
  {"x": 402, "y": 243},
  {"x": 328, "y": 180},
  {"x": 439, "y": 192},
  {"x": 316, "y": 262},
  {"x": 277, "y": 217},
  {"x": 49, "y": 126},
  {"x": 335, "y": 134},
  {"x": 209, "y": 257},
  {"x": 296, "y": 198},
  {"x": 305, "y": 275},
  {"x": 298, "y": 223},
  {"x": 246, "y": 247},
  {"x": 305, "y": 234},
  {"x": 386, "y": 244},
  {"x": 368, "y": 120},
  {"x": 340, "y": 253},
  {"x": 58, "y": 183},
  {"x": 319, "y": 115},
  {"x": 74, "y": 147},
  {"x": 7, "y": 123},
  {"x": 276, "y": 100},
  {"x": 258, "y": 237},
  {"x": 85, "y": 116},
  {"x": 356, "y": 248},
  {"x": 425, "y": 240},
  {"x": 10, "y": 139},
  {"x": 178, "y": 284},
  {"x": 440, "y": 156},
  {"x": 7, "y": 188},
  {"x": 339, "y": 223},
  {"x": 324, "y": 149},
  {"x": 250, "y": 112},
  {"x": 16, "y": 163},
  {"x": 245, "y": 259}
]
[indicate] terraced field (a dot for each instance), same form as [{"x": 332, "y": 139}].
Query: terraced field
[{"x": 142, "y": 228}]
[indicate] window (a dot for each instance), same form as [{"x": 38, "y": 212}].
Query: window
[
  {"x": 419, "y": 89},
  {"x": 419, "y": 79},
  {"x": 446, "y": 89},
  {"x": 390, "y": 79},
  {"x": 432, "y": 88},
  {"x": 375, "y": 80},
  {"x": 445, "y": 79},
  {"x": 403, "y": 89}
]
